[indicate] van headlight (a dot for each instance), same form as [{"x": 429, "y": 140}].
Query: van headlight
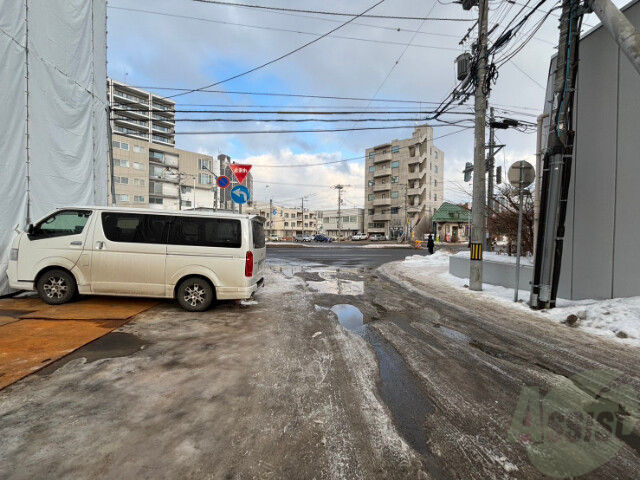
[{"x": 13, "y": 255}]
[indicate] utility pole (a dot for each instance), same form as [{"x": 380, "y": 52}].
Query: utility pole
[
  {"x": 302, "y": 216},
  {"x": 478, "y": 208},
  {"x": 270, "y": 215},
  {"x": 339, "y": 188},
  {"x": 405, "y": 229},
  {"x": 490, "y": 178}
]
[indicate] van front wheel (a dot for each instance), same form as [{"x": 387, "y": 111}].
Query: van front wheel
[
  {"x": 56, "y": 287},
  {"x": 195, "y": 294}
]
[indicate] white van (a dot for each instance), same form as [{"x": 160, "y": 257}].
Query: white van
[{"x": 190, "y": 256}]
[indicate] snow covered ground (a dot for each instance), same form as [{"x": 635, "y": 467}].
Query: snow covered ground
[{"x": 617, "y": 318}]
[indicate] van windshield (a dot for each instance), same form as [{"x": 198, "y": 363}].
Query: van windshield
[{"x": 258, "y": 234}]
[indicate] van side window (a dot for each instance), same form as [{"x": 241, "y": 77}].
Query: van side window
[
  {"x": 135, "y": 227},
  {"x": 67, "y": 222},
  {"x": 258, "y": 234},
  {"x": 206, "y": 232}
]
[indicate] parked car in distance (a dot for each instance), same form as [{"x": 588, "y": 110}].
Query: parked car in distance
[
  {"x": 321, "y": 238},
  {"x": 359, "y": 236},
  {"x": 274, "y": 238},
  {"x": 307, "y": 238},
  {"x": 298, "y": 238},
  {"x": 377, "y": 237}
]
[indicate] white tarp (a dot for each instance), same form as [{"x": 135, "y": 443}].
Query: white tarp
[{"x": 53, "y": 110}]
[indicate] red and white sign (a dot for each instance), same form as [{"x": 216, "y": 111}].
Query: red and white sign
[{"x": 240, "y": 171}]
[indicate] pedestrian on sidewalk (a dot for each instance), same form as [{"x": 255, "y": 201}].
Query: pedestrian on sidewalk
[{"x": 430, "y": 244}]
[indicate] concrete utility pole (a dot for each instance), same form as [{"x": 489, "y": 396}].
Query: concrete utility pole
[
  {"x": 303, "y": 216},
  {"x": 620, "y": 28},
  {"x": 478, "y": 208},
  {"x": 270, "y": 215},
  {"x": 339, "y": 224},
  {"x": 490, "y": 179}
]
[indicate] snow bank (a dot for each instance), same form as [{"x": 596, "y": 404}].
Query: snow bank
[{"x": 617, "y": 318}]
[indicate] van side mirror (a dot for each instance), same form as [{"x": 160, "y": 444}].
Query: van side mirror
[{"x": 30, "y": 229}]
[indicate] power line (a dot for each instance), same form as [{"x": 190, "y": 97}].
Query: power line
[
  {"x": 241, "y": 132},
  {"x": 317, "y": 12},
  {"x": 278, "y": 29},
  {"x": 270, "y": 62}
]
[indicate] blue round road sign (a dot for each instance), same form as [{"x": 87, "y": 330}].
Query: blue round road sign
[
  {"x": 240, "y": 194},
  {"x": 223, "y": 181}
]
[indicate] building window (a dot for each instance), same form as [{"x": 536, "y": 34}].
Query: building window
[
  {"x": 153, "y": 155},
  {"x": 138, "y": 182},
  {"x": 122, "y": 198},
  {"x": 376, "y": 225},
  {"x": 155, "y": 187},
  {"x": 156, "y": 172},
  {"x": 138, "y": 199},
  {"x": 395, "y": 164},
  {"x": 155, "y": 200},
  {"x": 395, "y": 149},
  {"x": 372, "y": 197},
  {"x": 138, "y": 149},
  {"x": 394, "y": 194},
  {"x": 121, "y": 163},
  {"x": 204, "y": 164},
  {"x": 286, "y": 224},
  {"x": 372, "y": 169},
  {"x": 435, "y": 169},
  {"x": 186, "y": 203},
  {"x": 139, "y": 166},
  {"x": 436, "y": 154},
  {"x": 372, "y": 211},
  {"x": 120, "y": 145},
  {"x": 435, "y": 197},
  {"x": 395, "y": 210},
  {"x": 371, "y": 183},
  {"x": 121, "y": 180},
  {"x": 435, "y": 183},
  {"x": 286, "y": 215},
  {"x": 204, "y": 179},
  {"x": 394, "y": 179},
  {"x": 372, "y": 155}
]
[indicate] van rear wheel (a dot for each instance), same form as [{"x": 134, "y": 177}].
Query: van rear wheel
[
  {"x": 195, "y": 294},
  {"x": 56, "y": 287}
]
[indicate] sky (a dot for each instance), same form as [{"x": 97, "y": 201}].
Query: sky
[{"x": 404, "y": 67}]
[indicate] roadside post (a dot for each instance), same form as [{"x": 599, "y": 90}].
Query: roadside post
[{"x": 521, "y": 175}]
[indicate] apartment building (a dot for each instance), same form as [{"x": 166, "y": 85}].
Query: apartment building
[
  {"x": 404, "y": 183},
  {"x": 343, "y": 224},
  {"x": 148, "y": 171},
  {"x": 287, "y": 222}
]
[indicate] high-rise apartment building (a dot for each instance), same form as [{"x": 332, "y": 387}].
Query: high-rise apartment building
[
  {"x": 403, "y": 183},
  {"x": 148, "y": 171}
]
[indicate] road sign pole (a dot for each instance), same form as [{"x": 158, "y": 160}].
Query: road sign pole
[{"x": 518, "y": 246}]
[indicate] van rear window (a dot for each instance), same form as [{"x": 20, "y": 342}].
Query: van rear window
[
  {"x": 258, "y": 234},
  {"x": 206, "y": 232}
]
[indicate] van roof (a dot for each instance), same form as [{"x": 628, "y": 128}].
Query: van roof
[{"x": 190, "y": 213}]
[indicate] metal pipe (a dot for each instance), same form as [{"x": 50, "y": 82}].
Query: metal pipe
[{"x": 536, "y": 198}]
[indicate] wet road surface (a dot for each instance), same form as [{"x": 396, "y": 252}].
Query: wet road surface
[{"x": 339, "y": 370}]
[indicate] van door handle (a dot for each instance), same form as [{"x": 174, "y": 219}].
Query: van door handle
[
  {"x": 77, "y": 243},
  {"x": 99, "y": 245}
]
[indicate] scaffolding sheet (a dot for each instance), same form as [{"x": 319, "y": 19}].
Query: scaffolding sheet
[{"x": 53, "y": 109}]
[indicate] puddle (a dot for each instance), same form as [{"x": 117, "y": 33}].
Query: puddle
[
  {"x": 349, "y": 316},
  {"x": 398, "y": 387},
  {"x": 115, "y": 344}
]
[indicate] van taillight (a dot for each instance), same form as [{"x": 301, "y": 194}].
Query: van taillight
[{"x": 248, "y": 266}]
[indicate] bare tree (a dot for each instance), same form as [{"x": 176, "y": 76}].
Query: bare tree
[{"x": 503, "y": 219}]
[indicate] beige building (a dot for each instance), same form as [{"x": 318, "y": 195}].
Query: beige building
[
  {"x": 287, "y": 222},
  {"x": 351, "y": 222},
  {"x": 148, "y": 171},
  {"x": 403, "y": 183}
]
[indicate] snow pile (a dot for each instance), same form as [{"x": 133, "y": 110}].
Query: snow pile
[
  {"x": 615, "y": 318},
  {"x": 498, "y": 257}
]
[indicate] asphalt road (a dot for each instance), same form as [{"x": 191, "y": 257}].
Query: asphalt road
[
  {"x": 338, "y": 370},
  {"x": 335, "y": 255}
]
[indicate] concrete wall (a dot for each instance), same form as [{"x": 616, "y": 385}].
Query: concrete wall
[
  {"x": 494, "y": 273},
  {"x": 600, "y": 257}
]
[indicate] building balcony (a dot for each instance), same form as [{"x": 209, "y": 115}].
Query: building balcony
[
  {"x": 130, "y": 132},
  {"x": 127, "y": 98},
  {"x": 385, "y": 172},
  {"x": 381, "y": 217},
  {"x": 382, "y": 157},
  {"x": 379, "y": 202},
  {"x": 416, "y": 175},
  {"x": 416, "y": 190},
  {"x": 160, "y": 128},
  {"x": 131, "y": 122},
  {"x": 131, "y": 111},
  {"x": 382, "y": 188}
]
